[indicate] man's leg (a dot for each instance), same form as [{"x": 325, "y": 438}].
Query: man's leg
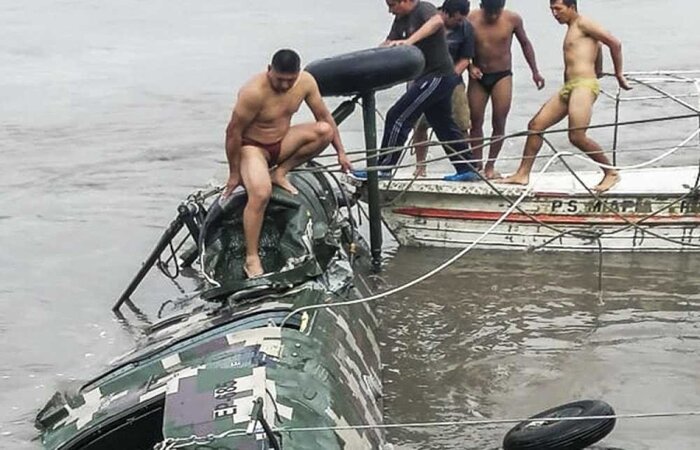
[
  {"x": 420, "y": 138},
  {"x": 501, "y": 97},
  {"x": 301, "y": 143},
  {"x": 402, "y": 116},
  {"x": 551, "y": 113},
  {"x": 439, "y": 115},
  {"x": 478, "y": 99},
  {"x": 580, "y": 112},
  {"x": 256, "y": 180}
]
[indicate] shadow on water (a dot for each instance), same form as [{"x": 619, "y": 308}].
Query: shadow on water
[{"x": 507, "y": 335}]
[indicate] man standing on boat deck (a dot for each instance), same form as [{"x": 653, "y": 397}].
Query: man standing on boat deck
[
  {"x": 262, "y": 146},
  {"x": 580, "y": 91},
  {"x": 460, "y": 43},
  {"x": 491, "y": 75},
  {"x": 418, "y": 23}
]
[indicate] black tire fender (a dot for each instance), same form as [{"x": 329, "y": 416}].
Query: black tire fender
[
  {"x": 562, "y": 435},
  {"x": 367, "y": 70}
]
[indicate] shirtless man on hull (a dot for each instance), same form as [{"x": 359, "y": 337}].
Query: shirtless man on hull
[
  {"x": 262, "y": 146},
  {"x": 491, "y": 74},
  {"x": 576, "y": 97}
]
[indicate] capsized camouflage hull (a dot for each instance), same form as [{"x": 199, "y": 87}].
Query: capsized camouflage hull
[{"x": 203, "y": 376}]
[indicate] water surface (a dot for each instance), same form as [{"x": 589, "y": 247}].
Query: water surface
[{"x": 111, "y": 113}]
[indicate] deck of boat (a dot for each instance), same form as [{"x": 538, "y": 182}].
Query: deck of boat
[{"x": 648, "y": 182}]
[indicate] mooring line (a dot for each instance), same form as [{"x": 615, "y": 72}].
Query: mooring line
[
  {"x": 175, "y": 443},
  {"x": 439, "y": 268},
  {"x": 491, "y": 422}
]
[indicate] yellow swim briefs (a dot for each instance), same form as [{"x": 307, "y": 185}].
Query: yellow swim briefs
[{"x": 590, "y": 83}]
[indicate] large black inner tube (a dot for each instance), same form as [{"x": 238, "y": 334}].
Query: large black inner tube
[
  {"x": 368, "y": 70},
  {"x": 562, "y": 435}
]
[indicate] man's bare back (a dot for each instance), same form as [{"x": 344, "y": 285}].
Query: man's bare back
[{"x": 494, "y": 40}]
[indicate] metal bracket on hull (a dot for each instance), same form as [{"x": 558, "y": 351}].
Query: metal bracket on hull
[
  {"x": 190, "y": 215},
  {"x": 257, "y": 416}
]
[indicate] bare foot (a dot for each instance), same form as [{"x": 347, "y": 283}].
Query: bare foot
[
  {"x": 253, "y": 268},
  {"x": 283, "y": 182},
  {"x": 514, "y": 179},
  {"x": 491, "y": 174},
  {"x": 420, "y": 171},
  {"x": 609, "y": 180}
]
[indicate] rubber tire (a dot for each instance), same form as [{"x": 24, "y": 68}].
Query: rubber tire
[
  {"x": 365, "y": 71},
  {"x": 563, "y": 435}
]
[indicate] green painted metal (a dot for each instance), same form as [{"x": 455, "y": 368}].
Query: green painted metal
[
  {"x": 375, "y": 213},
  {"x": 194, "y": 381}
]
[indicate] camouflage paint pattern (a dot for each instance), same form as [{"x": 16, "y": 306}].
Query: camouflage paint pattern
[{"x": 207, "y": 367}]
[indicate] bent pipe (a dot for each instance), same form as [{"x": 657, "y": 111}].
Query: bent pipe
[{"x": 366, "y": 70}]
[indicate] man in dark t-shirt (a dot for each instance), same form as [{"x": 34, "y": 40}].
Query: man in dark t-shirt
[
  {"x": 418, "y": 23},
  {"x": 460, "y": 43}
]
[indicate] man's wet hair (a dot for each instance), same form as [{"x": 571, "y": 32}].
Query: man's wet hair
[
  {"x": 568, "y": 3},
  {"x": 286, "y": 61},
  {"x": 455, "y": 6},
  {"x": 493, "y": 6}
]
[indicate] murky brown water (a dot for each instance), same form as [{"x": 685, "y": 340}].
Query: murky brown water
[
  {"x": 111, "y": 113},
  {"x": 506, "y": 335}
]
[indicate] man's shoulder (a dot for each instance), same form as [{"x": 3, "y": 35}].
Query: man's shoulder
[
  {"x": 465, "y": 30},
  {"x": 585, "y": 22},
  {"x": 513, "y": 17},
  {"x": 253, "y": 88},
  {"x": 307, "y": 81},
  {"x": 254, "y": 81},
  {"x": 467, "y": 27},
  {"x": 425, "y": 8}
]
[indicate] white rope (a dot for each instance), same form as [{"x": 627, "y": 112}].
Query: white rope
[
  {"x": 442, "y": 266},
  {"x": 664, "y": 155},
  {"x": 175, "y": 443},
  {"x": 512, "y": 208},
  {"x": 489, "y": 422}
]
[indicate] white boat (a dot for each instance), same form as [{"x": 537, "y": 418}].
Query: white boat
[{"x": 651, "y": 209}]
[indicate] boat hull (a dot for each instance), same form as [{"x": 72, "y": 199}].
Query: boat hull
[{"x": 553, "y": 216}]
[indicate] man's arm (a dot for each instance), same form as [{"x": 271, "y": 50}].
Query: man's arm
[
  {"x": 243, "y": 114},
  {"x": 599, "y": 61},
  {"x": 528, "y": 50},
  {"x": 466, "y": 49},
  {"x": 321, "y": 113},
  {"x": 430, "y": 27},
  {"x": 427, "y": 29},
  {"x": 598, "y": 33},
  {"x": 393, "y": 33},
  {"x": 462, "y": 65}
]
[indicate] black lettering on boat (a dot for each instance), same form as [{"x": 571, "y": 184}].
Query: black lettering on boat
[
  {"x": 689, "y": 207},
  {"x": 643, "y": 206},
  {"x": 595, "y": 206},
  {"x": 556, "y": 205},
  {"x": 573, "y": 206},
  {"x": 627, "y": 206}
]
